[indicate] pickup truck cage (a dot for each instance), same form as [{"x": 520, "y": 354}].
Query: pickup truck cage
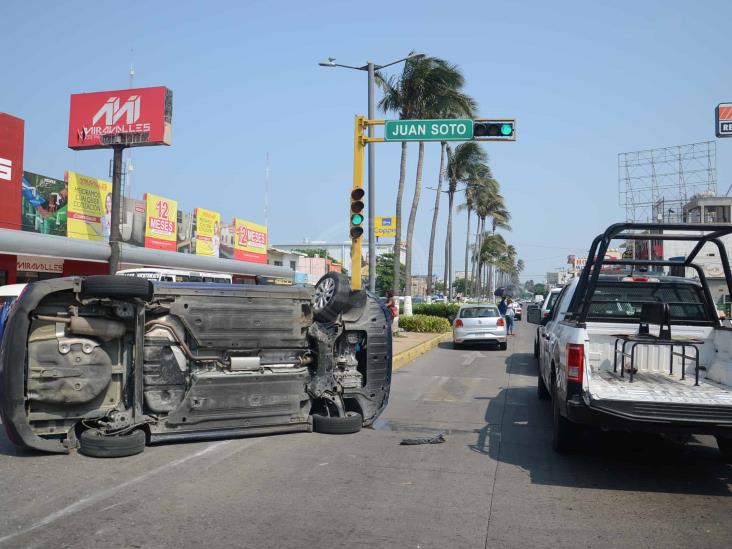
[{"x": 702, "y": 234}]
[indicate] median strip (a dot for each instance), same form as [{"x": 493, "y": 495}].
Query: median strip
[{"x": 406, "y": 356}]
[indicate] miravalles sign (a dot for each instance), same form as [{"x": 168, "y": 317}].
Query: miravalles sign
[{"x": 135, "y": 118}]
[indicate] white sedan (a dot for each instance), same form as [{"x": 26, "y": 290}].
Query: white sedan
[{"x": 476, "y": 323}]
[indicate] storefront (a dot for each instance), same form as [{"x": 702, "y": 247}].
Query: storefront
[{"x": 31, "y": 268}]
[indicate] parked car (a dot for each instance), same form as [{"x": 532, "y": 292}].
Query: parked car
[
  {"x": 517, "y": 310},
  {"x": 108, "y": 363},
  {"x": 639, "y": 352},
  {"x": 478, "y": 322},
  {"x": 546, "y": 309}
]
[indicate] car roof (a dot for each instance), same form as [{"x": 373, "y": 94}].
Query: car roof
[
  {"x": 468, "y": 305},
  {"x": 12, "y": 289}
]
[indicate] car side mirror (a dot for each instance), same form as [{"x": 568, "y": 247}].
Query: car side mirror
[{"x": 533, "y": 315}]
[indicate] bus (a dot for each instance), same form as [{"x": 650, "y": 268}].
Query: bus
[{"x": 175, "y": 275}]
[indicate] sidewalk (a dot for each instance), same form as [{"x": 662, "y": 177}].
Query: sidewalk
[{"x": 410, "y": 345}]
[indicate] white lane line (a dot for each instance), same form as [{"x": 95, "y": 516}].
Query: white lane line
[{"x": 108, "y": 492}]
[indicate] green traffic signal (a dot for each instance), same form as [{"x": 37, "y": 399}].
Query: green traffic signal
[
  {"x": 506, "y": 129},
  {"x": 356, "y": 219},
  {"x": 491, "y": 129}
]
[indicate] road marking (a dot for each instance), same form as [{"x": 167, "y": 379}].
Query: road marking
[
  {"x": 469, "y": 358},
  {"x": 108, "y": 492}
]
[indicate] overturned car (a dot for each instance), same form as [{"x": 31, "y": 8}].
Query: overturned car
[{"x": 108, "y": 364}]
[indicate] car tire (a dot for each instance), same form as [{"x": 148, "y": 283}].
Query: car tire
[
  {"x": 95, "y": 444},
  {"x": 725, "y": 448},
  {"x": 503, "y": 346},
  {"x": 457, "y": 345},
  {"x": 331, "y": 297},
  {"x": 541, "y": 390},
  {"x": 117, "y": 286},
  {"x": 536, "y": 349},
  {"x": 330, "y": 425},
  {"x": 564, "y": 432}
]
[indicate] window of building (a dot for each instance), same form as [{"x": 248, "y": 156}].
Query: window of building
[
  {"x": 278, "y": 263},
  {"x": 693, "y": 215},
  {"x": 716, "y": 214},
  {"x": 293, "y": 265}
]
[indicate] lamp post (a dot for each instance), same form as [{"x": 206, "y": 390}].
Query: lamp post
[{"x": 371, "y": 68}]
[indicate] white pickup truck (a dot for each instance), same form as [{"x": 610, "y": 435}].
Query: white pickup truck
[{"x": 639, "y": 350}]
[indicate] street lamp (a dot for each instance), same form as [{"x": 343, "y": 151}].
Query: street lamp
[{"x": 371, "y": 69}]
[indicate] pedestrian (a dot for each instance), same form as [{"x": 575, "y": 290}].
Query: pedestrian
[
  {"x": 393, "y": 307},
  {"x": 510, "y": 313},
  {"x": 502, "y": 306}
]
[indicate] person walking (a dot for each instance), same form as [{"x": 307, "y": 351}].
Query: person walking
[
  {"x": 509, "y": 314},
  {"x": 393, "y": 307}
]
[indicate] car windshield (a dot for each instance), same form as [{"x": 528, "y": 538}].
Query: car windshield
[
  {"x": 552, "y": 300},
  {"x": 624, "y": 300},
  {"x": 479, "y": 312}
]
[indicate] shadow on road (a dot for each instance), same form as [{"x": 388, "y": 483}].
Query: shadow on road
[
  {"x": 470, "y": 347},
  {"x": 610, "y": 461}
]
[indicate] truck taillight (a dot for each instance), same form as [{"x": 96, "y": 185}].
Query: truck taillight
[
  {"x": 575, "y": 361},
  {"x": 500, "y": 322},
  {"x": 458, "y": 323}
]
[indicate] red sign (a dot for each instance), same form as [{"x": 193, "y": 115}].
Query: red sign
[
  {"x": 135, "y": 118},
  {"x": 724, "y": 120},
  {"x": 11, "y": 170}
]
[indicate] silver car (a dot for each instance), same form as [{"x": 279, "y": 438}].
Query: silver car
[{"x": 479, "y": 322}]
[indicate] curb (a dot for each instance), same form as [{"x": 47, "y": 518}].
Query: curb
[{"x": 405, "y": 357}]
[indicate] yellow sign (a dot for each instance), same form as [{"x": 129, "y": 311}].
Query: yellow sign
[
  {"x": 385, "y": 225},
  {"x": 208, "y": 232},
  {"x": 160, "y": 226},
  {"x": 90, "y": 207},
  {"x": 250, "y": 241}
]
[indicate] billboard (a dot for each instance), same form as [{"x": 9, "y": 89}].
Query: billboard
[
  {"x": 132, "y": 221},
  {"x": 44, "y": 204},
  {"x": 160, "y": 228},
  {"x": 208, "y": 232},
  {"x": 250, "y": 241},
  {"x": 723, "y": 122},
  {"x": 89, "y": 207},
  {"x": 11, "y": 170},
  {"x": 185, "y": 242},
  {"x": 134, "y": 118},
  {"x": 385, "y": 225}
]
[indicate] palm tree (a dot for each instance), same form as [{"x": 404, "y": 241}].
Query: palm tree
[
  {"x": 491, "y": 204},
  {"x": 464, "y": 164},
  {"x": 478, "y": 191},
  {"x": 493, "y": 248},
  {"x": 427, "y": 88}
]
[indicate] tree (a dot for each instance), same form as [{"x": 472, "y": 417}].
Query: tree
[
  {"x": 539, "y": 289},
  {"x": 479, "y": 191},
  {"x": 385, "y": 273},
  {"x": 467, "y": 161},
  {"x": 460, "y": 286},
  {"x": 425, "y": 88}
]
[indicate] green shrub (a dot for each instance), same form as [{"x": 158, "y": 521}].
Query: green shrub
[
  {"x": 424, "y": 323},
  {"x": 444, "y": 310}
]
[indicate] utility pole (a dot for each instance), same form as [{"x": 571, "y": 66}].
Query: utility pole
[
  {"x": 115, "y": 236},
  {"x": 371, "y": 200}
]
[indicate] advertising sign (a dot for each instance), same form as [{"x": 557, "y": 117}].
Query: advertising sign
[
  {"x": 250, "y": 241},
  {"x": 135, "y": 118},
  {"x": 44, "y": 204},
  {"x": 34, "y": 264},
  {"x": 385, "y": 226},
  {"x": 162, "y": 214},
  {"x": 208, "y": 232},
  {"x": 132, "y": 222},
  {"x": 89, "y": 207},
  {"x": 11, "y": 170},
  {"x": 723, "y": 120}
]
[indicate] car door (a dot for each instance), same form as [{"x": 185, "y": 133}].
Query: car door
[{"x": 550, "y": 335}]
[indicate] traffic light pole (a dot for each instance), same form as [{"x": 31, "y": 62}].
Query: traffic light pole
[{"x": 372, "y": 183}]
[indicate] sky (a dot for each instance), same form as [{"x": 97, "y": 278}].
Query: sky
[{"x": 585, "y": 80}]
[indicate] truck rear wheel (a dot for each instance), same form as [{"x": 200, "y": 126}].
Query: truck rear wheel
[
  {"x": 725, "y": 448},
  {"x": 564, "y": 432},
  {"x": 541, "y": 389}
]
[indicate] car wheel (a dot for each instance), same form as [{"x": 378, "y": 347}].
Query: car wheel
[
  {"x": 116, "y": 286},
  {"x": 457, "y": 345},
  {"x": 564, "y": 432},
  {"x": 95, "y": 444},
  {"x": 541, "y": 389},
  {"x": 536, "y": 349},
  {"x": 331, "y": 296},
  {"x": 502, "y": 346},
  {"x": 725, "y": 448},
  {"x": 330, "y": 425}
]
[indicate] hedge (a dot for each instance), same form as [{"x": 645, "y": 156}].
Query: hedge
[
  {"x": 424, "y": 323},
  {"x": 444, "y": 310}
]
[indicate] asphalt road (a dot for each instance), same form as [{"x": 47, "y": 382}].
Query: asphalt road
[{"x": 494, "y": 483}]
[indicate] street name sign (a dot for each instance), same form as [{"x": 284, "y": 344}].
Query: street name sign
[
  {"x": 456, "y": 129},
  {"x": 723, "y": 120}
]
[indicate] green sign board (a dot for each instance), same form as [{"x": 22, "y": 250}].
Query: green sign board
[{"x": 456, "y": 129}]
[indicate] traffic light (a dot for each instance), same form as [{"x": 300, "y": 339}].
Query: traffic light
[
  {"x": 485, "y": 129},
  {"x": 357, "y": 207}
]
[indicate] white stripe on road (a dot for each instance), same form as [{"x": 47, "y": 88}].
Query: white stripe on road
[{"x": 106, "y": 493}]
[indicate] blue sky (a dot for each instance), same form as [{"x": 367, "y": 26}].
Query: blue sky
[{"x": 586, "y": 81}]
